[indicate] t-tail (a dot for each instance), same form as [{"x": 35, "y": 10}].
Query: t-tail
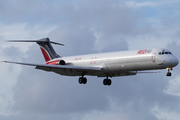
[
  {"x": 47, "y": 49},
  {"x": 45, "y": 46}
]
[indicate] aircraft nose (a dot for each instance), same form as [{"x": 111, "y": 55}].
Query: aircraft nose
[{"x": 174, "y": 61}]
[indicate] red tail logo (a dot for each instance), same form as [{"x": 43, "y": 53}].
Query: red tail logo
[{"x": 45, "y": 54}]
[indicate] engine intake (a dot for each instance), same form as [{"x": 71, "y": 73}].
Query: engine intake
[{"x": 62, "y": 62}]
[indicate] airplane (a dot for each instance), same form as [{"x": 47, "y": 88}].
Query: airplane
[{"x": 111, "y": 64}]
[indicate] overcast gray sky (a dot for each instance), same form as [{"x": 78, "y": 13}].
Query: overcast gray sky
[{"x": 87, "y": 26}]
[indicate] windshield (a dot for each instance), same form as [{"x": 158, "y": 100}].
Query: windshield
[{"x": 164, "y": 52}]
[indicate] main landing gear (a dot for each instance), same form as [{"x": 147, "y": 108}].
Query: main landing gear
[
  {"x": 169, "y": 73},
  {"x": 107, "y": 81},
  {"x": 83, "y": 80}
]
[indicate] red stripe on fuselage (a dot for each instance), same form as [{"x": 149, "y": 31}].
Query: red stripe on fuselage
[{"x": 45, "y": 54}]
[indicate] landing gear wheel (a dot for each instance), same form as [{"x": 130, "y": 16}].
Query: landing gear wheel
[
  {"x": 82, "y": 80},
  {"x": 104, "y": 82},
  {"x": 168, "y": 74},
  {"x": 107, "y": 82}
]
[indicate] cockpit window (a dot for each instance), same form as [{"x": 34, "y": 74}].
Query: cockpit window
[{"x": 162, "y": 53}]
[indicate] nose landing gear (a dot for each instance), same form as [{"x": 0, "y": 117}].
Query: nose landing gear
[{"x": 169, "y": 73}]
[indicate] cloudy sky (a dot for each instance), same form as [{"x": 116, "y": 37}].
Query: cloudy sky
[{"x": 87, "y": 26}]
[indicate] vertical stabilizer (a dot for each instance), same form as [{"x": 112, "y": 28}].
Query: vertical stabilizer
[{"x": 47, "y": 49}]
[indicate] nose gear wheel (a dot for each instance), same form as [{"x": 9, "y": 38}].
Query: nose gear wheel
[{"x": 169, "y": 73}]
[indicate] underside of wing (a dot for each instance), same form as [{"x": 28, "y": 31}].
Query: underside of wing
[{"x": 68, "y": 70}]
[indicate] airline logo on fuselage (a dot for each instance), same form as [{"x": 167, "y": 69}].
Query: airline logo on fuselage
[{"x": 144, "y": 51}]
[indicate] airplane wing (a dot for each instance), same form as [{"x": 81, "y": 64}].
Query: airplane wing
[{"x": 59, "y": 68}]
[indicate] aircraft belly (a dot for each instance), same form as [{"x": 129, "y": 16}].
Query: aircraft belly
[{"x": 132, "y": 67}]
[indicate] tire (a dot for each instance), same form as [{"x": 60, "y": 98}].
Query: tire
[
  {"x": 80, "y": 80},
  {"x": 109, "y": 82},
  {"x": 105, "y": 81},
  {"x": 168, "y": 74},
  {"x": 84, "y": 80}
]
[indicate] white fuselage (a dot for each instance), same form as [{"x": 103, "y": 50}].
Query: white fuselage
[{"x": 123, "y": 62}]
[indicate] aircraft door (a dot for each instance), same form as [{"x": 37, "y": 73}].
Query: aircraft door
[{"x": 154, "y": 57}]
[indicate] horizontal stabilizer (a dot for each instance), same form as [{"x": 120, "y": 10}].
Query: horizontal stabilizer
[
  {"x": 45, "y": 46},
  {"x": 44, "y": 40}
]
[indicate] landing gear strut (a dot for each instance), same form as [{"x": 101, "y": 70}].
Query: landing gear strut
[
  {"x": 82, "y": 79},
  {"x": 169, "y": 73},
  {"x": 107, "y": 81}
]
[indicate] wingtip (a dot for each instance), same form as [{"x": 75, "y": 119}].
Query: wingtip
[{"x": 3, "y": 61}]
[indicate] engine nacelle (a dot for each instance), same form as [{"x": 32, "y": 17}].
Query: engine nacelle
[
  {"x": 56, "y": 62},
  {"x": 62, "y": 62}
]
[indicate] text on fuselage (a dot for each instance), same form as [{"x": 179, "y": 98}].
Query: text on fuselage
[{"x": 144, "y": 51}]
